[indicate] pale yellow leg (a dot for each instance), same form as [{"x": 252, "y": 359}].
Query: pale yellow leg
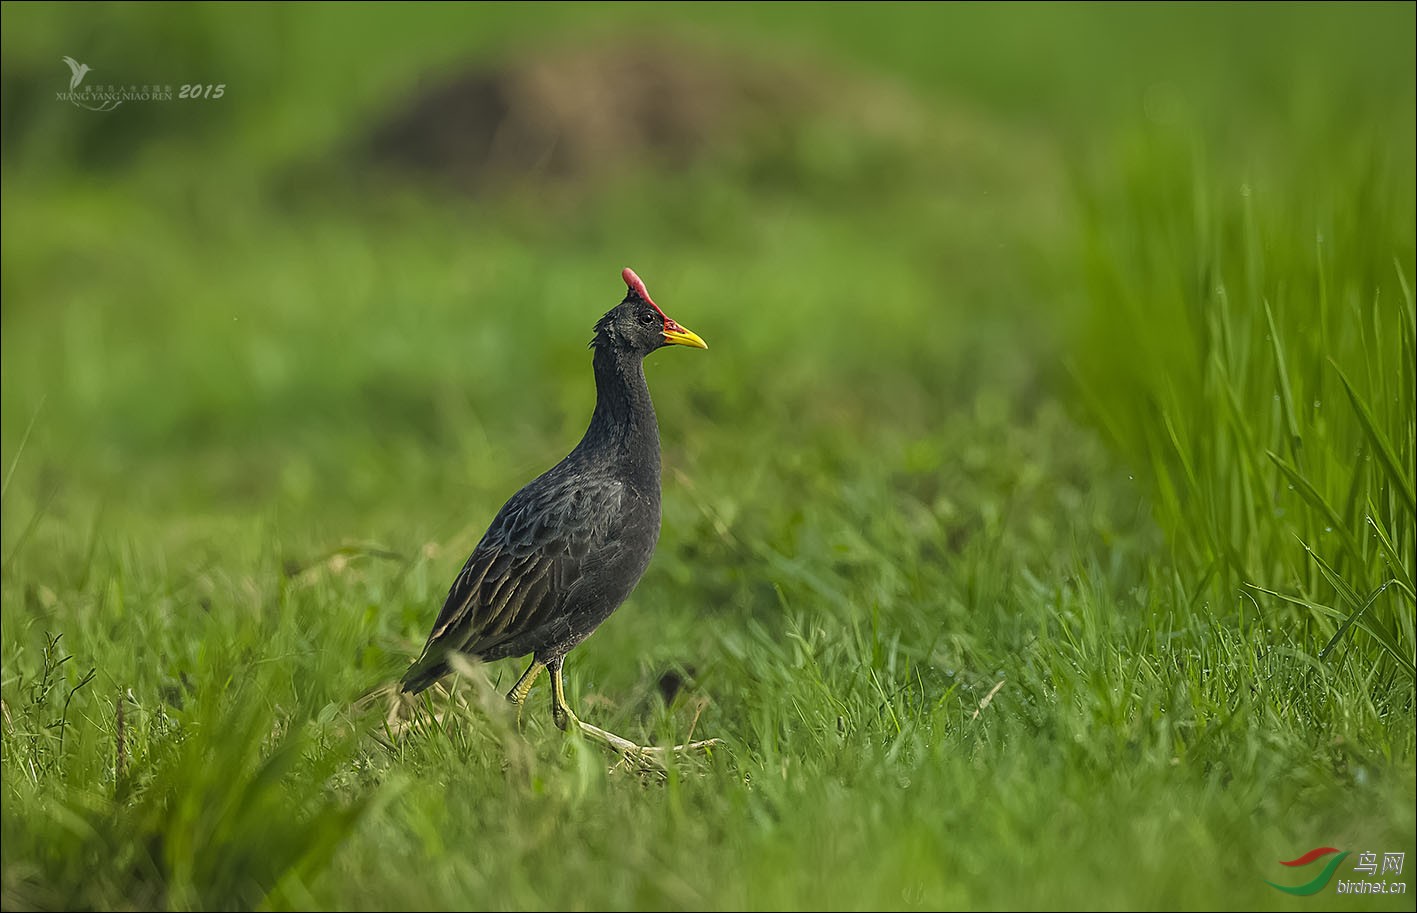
[{"x": 652, "y": 756}]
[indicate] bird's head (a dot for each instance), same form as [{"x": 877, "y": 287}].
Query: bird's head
[{"x": 637, "y": 325}]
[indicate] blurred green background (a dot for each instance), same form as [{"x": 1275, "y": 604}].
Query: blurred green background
[{"x": 1039, "y": 526}]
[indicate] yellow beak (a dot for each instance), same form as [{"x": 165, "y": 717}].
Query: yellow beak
[{"x": 679, "y": 336}]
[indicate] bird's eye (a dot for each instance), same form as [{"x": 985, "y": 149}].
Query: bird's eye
[{"x": 647, "y": 318}]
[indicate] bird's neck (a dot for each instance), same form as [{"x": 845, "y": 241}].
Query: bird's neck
[{"x": 623, "y": 429}]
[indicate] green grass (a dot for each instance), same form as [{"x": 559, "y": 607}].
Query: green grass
[
  {"x": 1038, "y": 528},
  {"x": 1265, "y": 376}
]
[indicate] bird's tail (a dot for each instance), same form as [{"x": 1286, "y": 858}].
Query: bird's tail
[{"x": 422, "y": 674}]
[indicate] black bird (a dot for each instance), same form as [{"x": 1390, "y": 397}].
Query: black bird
[{"x": 564, "y": 552}]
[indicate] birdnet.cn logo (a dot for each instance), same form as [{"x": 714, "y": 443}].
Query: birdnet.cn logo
[
  {"x": 1372, "y": 867},
  {"x": 93, "y": 95}
]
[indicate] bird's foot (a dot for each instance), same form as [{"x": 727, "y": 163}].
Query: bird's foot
[
  {"x": 645, "y": 757},
  {"x": 648, "y": 758}
]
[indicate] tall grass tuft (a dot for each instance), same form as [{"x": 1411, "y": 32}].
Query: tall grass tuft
[
  {"x": 236, "y": 809},
  {"x": 1249, "y": 347}
]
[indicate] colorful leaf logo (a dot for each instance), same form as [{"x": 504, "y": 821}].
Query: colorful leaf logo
[{"x": 1324, "y": 877}]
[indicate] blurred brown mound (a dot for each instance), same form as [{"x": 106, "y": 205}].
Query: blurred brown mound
[{"x": 574, "y": 113}]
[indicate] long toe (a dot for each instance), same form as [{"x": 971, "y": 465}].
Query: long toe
[{"x": 645, "y": 756}]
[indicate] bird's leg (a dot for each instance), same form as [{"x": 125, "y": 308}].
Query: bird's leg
[
  {"x": 560, "y": 710},
  {"x": 652, "y": 755},
  {"x": 523, "y": 687}
]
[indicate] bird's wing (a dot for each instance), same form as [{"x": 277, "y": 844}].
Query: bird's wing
[
  {"x": 73, "y": 64},
  {"x": 522, "y": 570}
]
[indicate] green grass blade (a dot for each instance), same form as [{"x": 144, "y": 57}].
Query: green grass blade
[
  {"x": 1396, "y": 474},
  {"x": 1286, "y": 389},
  {"x": 1312, "y": 497}
]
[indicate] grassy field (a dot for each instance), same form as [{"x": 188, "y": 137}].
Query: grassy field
[{"x": 1038, "y": 528}]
